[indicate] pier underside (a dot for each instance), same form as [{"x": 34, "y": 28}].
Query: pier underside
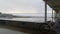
[{"x": 55, "y": 4}]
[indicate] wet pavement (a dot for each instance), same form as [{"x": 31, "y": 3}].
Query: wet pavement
[
  {"x": 7, "y": 31},
  {"x": 16, "y": 30}
]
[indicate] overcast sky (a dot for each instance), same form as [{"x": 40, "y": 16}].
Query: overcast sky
[{"x": 22, "y": 6}]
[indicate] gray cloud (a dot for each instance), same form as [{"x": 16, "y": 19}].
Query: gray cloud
[{"x": 22, "y": 6}]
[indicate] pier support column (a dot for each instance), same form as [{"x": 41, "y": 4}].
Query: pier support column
[
  {"x": 46, "y": 12},
  {"x": 52, "y": 16},
  {"x": 58, "y": 21}
]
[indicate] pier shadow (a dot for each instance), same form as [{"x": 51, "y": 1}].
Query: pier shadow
[{"x": 28, "y": 31}]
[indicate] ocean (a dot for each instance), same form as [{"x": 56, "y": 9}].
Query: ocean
[{"x": 40, "y": 19}]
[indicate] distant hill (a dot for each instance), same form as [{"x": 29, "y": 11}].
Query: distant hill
[
  {"x": 33, "y": 14},
  {"x": 24, "y": 15}
]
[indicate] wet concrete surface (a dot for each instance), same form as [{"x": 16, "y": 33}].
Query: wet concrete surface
[
  {"x": 16, "y": 30},
  {"x": 7, "y": 31}
]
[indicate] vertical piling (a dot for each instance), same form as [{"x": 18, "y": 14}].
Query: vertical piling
[
  {"x": 52, "y": 15},
  {"x": 46, "y": 12}
]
